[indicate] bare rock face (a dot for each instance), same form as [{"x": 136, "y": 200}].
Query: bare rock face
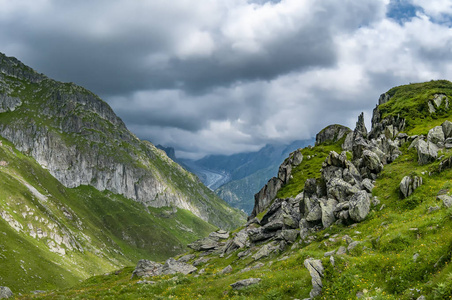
[
  {"x": 447, "y": 129},
  {"x": 436, "y": 135}
]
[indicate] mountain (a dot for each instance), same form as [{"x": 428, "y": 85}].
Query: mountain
[
  {"x": 80, "y": 194},
  {"x": 236, "y": 178},
  {"x": 360, "y": 215}
]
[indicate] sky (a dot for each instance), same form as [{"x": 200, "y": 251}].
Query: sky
[{"x": 229, "y": 76}]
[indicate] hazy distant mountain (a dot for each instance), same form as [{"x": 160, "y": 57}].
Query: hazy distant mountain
[{"x": 236, "y": 178}]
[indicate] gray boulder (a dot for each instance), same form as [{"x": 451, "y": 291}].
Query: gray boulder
[
  {"x": 315, "y": 269},
  {"x": 266, "y": 250},
  {"x": 207, "y": 243},
  {"x": 331, "y": 133},
  {"x": 340, "y": 190},
  {"x": 367, "y": 185},
  {"x": 371, "y": 161},
  {"x": 447, "y": 129},
  {"x": 220, "y": 234},
  {"x": 147, "y": 268},
  {"x": 328, "y": 207},
  {"x": 359, "y": 206},
  {"x": 5, "y": 292},
  {"x": 447, "y": 200},
  {"x": 426, "y": 152},
  {"x": 409, "y": 184},
  {"x": 436, "y": 135},
  {"x": 186, "y": 258},
  {"x": 226, "y": 270},
  {"x": 245, "y": 283},
  {"x": 173, "y": 266}
]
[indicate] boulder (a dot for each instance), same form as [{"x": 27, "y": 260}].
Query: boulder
[
  {"x": 245, "y": 283},
  {"x": 367, "y": 185},
  {"x": 340, "y": 190},
  {"x": 221, "y": 234},
  {"x": 147, "y": 268},
  {"x": 447, "y": 129},
  {"x": 207, "y": 243},
  {"x": 409, "y": 184},
  {"x": 348, "y": 143},
  {"x": 289, "y": 235},
  {"x": 359, "y": 206},
  {"x": 259, "y": 234},
  {"x": 264, "y": 197},
  {"x": 360, "y": 129},
  {"x": 383, "y": 98},
  {"x": 5, "y": 292},
  {"x": 200, "y": 261},
  {"x": 331, "y": 134},
  {"x": 328, "y": 207},
  {"x": 226, "y": 270},
  {"x": 315, "y": 269},
  {"x": 173, "y": 266},
  {"x": 186, "y": 258},
  {"x": 436, "y": 136},
  {"x": 266, "y": 250},
  {"x": 371, "y": 161},
  {"x": 447, "y": 200},
  {"x": 426, "y": 151}
]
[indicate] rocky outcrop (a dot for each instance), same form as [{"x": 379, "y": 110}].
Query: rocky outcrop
[
  {"x": 264, "y": 197},
  {"x": 331, "y": 134}
]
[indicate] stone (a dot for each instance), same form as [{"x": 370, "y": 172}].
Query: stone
[
  {"x": 421, "y": 298},
  {"x": 371, "y": 161},
  {"x": 360, "y": 129},
  {"x": 315, "y": 269},
  {"x": 431, "y": 108},
  {"x": 147, "y": 268},
  {"x": 447, "y": 129},
  {"x": 200, "y": 261},
  {"x": 415, "y": 257},
  {"x": 186, "y": 258},
  {"x": 359, "y": 206},
  {"x": 5, "y": 292},
  {"x": 340, "y": 190},
  {"x": 204, "y": 244},
  {"x": 375, "y": 201},
  {"x": 259, "y": 234},
  {"x": 427, "y": 152},
  {"x": 409, "y": 184},
  {"x": 328, "y": 207},
  {"x": 436, "y": 135},
  {"x": 331, "y": 134},
  {"x": 244, "y": 283},
  {"x": 173, "y": 266},
  {"x": 289, "y": 235},
  {"x": 226, "y": 270},
  {"x": 383, "y": 98},
  {"x": 446, "y": 199},
  {"x": 367, "y": 185},
  {"x": 239, "y": 241},
  {"x": 265, "y": 250},
  {"x": 329, "y": 253},
  {"x": 353, "y": 245},
  {"x": 264, "y": 197},
  {"x": 341, "y": 251},
  {"x": 433, "y": 208},
  {"x": 348, "y": 143},
  {"x": 219, "y": 235}
]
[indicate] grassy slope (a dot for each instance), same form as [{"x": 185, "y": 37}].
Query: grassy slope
[
  {"x": 112, "y": 230},
  {"x": 382, "y": 267},
  {"x": 42, "y": 107}
]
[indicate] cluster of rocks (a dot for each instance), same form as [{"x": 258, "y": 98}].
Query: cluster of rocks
[{"x": 147, "y": 268}]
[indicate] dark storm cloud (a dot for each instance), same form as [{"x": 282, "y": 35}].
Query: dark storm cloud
[{"x": 229, "y": 76}]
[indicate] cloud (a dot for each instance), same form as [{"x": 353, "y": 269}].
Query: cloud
[{"x": 209, "y": 77}]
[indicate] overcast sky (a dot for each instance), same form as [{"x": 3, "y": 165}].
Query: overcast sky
[{"x": 227, "y": 76}]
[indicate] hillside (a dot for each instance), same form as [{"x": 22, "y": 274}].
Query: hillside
[
  {"x": 80, "y": 195},
  {"x": 79, "y": 139},
  {"x": 364, "y": 216}
]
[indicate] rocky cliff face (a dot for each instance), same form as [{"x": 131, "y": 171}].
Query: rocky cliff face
[{"x": 79, "y": 139}]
